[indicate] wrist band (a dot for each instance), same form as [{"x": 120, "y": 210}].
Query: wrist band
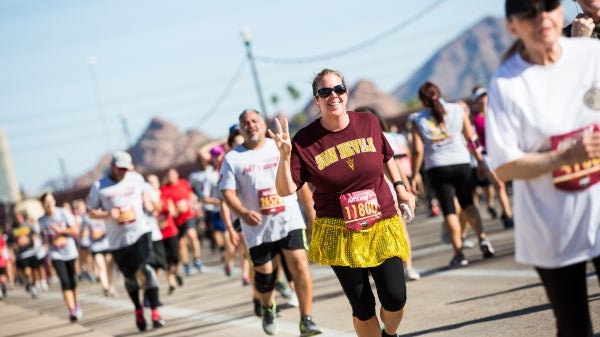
[{"x": 399, "y": 183}]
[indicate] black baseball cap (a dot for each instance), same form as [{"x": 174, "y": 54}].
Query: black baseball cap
[{"x": 529, "y": 8}]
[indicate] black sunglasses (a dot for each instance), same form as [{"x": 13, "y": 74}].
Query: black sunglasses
[
  {"x": 339, "y": 89},
  {"x": 535, "y": 8}
]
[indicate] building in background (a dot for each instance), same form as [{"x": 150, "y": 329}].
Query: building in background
[{"x": 9, "y": 187}]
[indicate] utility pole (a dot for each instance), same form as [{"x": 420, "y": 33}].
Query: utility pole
[{"x": 246, "y": 37}]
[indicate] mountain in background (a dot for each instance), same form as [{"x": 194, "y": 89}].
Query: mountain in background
[{"x": 469, "y": 60}]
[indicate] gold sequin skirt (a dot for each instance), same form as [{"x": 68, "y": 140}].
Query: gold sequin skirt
[{"x": 334, "y": 245}]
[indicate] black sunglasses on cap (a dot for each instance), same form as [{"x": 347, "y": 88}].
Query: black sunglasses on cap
[
  {"x": 339, "y": 89},
  {"x": 529, "y": 9}
]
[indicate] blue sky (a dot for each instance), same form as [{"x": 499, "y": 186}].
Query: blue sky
[{"x": 73, "y": 70}]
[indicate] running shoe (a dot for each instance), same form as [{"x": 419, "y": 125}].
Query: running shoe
[
  {"x": 171, "y": 290},
  {"x": 384, "y": 334},
  {"x": 157, "y": 321},
  {"x": 179, "y": 280},
  {"x": 507, "y": 222},
  {"x": 188, "y": 270},
  {"x": 466, "y": 243},
  {"x": 140, "y": 321},
  {"x": 308, "y": 327},
  {"x": 34, "y": 292},
  {"x": 245, "y": 281},
  {"x": 486, "y": 248},
  {"x": 293, "y": 301},
  {"x": 412, "y": 274},
  {"x": 492, "y": 212},
  {"x": 78, "y": 312},
  {"x": 198, "y": 264},
  {"x": 458, "y": 261},
  {"x": 269, "y": 324},
  {"x": 227, "y": 270},
  {"x": 283, "y": 289}
]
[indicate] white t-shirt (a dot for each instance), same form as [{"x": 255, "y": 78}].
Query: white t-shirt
[
  {"x": 61, "y": 247},
  {"x": 97, "y": 233},
  {"x": 527, "y": 105},
  {"x": 442, "y": 147},
  {"x": 156, "y": 234},
  {"x": 199, "y": 181},
  {"x": 252, "y": 174},
  {"x": 127, "y": 196}
]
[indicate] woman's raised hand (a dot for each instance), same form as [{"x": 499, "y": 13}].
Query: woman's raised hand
[{"x": 282, "y": 137}]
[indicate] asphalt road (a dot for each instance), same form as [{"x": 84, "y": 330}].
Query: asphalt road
[{"x": 491, "y": 297}]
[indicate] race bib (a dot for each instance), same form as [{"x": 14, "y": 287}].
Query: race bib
[
  {"x": 59, "y": 241},
  {"x": 270, "y": 202},
  {"x": 23, "y": 241},
  {"x": 581, "y": 175},
  {"x": 361, "y": 209},
  {"x": 97, "y": 234},
  {"x": 183, "y": 205},
  {"x": 126, "y": 215},
  {"x": 162, "y": 221}
]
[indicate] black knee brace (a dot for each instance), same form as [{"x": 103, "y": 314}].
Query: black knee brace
[{"x": 265, "y": 283}]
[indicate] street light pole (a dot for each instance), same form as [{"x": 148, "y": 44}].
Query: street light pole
[
  {"x": 246, "y": 37},
  {"x": 63, "y": 171},
  {"x": 91, "y": 62}
]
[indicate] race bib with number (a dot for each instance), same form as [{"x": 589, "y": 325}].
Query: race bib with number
[
  {"x": 581, "y": 175},
  {"x": 270, "y": 202},
  {"x": 59, "y": 241},
  {"x": 126, "y": 215},
  {"x": 97, "y": 234},
  {"x": 162, "y": 221},
  {"x": 361, "y": 209}
]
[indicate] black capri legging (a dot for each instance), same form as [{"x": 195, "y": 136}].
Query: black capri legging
[
  {"x": 66, "y": 273},
  {"x": 566, "y": 289},
  {"x": 448, "y": 181},
  {"x": 389, "y": 282}
]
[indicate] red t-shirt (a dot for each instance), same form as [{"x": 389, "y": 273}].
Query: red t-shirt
[
  {"x": 344, "y": 161},
  {"x": 180, "y": 193},
  {"x": 166, "y": 221},
  {"x": 4, "y": 255}
]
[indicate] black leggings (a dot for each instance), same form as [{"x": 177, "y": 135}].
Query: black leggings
[
  {"x": 566, "y": 289},
  {"x": 451, "y": 180},
  {"x": 389, "y": 282},
  {"x": 66, "y": 274}
]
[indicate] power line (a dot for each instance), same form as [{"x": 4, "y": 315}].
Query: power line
[
  {"x": 360, "y": 46},
  {"x": 228, "y": 88}
]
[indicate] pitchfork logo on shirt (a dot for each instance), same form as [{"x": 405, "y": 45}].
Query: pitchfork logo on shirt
[{"x": 350, "y": 163}]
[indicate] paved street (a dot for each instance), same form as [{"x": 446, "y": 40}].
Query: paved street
[{"x": 493, "y": 297}]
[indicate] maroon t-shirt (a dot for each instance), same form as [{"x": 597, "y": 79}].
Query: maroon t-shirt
[{"x": 341, "y": 162}]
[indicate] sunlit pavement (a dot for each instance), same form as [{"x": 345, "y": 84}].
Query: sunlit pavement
[{"x": 491, "y": 297}]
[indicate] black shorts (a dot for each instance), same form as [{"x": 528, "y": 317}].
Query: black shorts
[
  {"x": 3, "y": 271},
  {"x": 267, "y": 251},
  {"x": 189, "y": 223},
  {"x": 28, "y": 262},
  {"x": 130, "y": 258},
  {"x": 237, "y": 225},
  {"x": 485, "y": 182},
  {"x": 102, "y": 252},
  {"x": 171, "y": 246},
  {"x": 160, "y": 256}
]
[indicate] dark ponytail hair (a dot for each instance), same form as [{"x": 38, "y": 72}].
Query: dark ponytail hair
[{"x": 430, "y": 95}]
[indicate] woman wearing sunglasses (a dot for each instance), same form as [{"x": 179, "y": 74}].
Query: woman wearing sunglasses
[
  {"x": 357, "y": 230},
  {"x": 542, "y": 131}
]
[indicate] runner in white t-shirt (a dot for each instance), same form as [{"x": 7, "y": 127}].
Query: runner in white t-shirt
[
  {"x": 271, "y": 224},
  {"x": 118, "y": 199},
  {"x": 542, "y": 132},
  {"x": 58, "y": 227}
]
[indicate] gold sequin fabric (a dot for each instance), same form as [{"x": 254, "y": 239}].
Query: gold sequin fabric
[{"x": 334, "y": 245}]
